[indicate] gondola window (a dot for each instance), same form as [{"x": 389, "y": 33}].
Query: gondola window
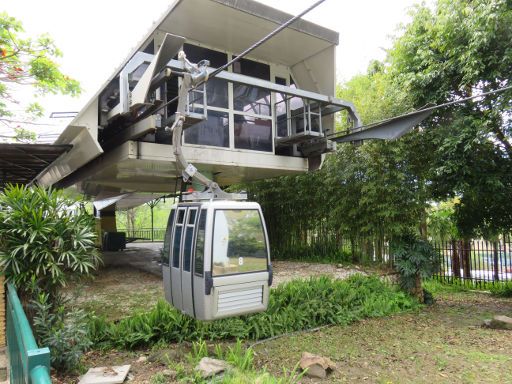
[{"x": 238, "y": 242}]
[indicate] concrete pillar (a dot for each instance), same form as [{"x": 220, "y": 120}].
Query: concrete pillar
[{"x": 108, "y": 220}]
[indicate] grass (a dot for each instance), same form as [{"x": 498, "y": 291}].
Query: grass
[
  {"x": 293, "y": 306},
  {"x": 443, "y": 343},
  {"x": 497, "y": 289},
  {"x": 241, "y": 367}
]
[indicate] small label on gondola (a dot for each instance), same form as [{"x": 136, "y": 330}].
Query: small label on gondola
[{"x": 240, "y": 261}]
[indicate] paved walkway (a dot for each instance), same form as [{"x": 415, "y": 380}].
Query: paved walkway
[{"x": 142, "y": 256}]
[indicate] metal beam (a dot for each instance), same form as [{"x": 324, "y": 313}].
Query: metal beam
[
  {"x": 273, "y": 87},
  {"x": 386, "y": 130}
]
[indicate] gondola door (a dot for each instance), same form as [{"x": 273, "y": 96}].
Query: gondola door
[
  {"x": 186, "y": 264},
  {"x": 166, "y": 262},
  {"x": 177, "y": 238}
]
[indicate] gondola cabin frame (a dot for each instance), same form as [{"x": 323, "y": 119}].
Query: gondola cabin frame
[{"x": 216, "y": 261}]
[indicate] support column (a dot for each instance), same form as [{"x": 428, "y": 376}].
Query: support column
[{"x": 108, "y": 220}]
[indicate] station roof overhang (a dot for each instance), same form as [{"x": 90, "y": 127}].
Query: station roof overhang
[
  {"x": 234, "y": 25},
  {"x": 230, "y": 25},
  {"x": 22, "y": 163}
]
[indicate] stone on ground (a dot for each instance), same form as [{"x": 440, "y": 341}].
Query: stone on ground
[
  {"x": 105, "y": 375},
  {"x": 317, "y": 366},
  {"x": 170, "y": 374},
  {"x": 499, "y": 322},
  {"x": 209, "y": 367},
  {"x": 142, "y": 359}
]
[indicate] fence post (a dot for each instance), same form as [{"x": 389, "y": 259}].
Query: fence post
[
  {"x": 455, "y": 259},
  {"x": 466, "y": 258},
  {"x": 496, "y": 276}
]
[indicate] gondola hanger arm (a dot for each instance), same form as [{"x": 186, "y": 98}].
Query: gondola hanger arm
[{"x": 194, "y": 75}]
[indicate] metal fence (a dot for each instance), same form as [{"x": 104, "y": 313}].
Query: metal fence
[
  {"x": 28, "y": 363},
  {"x": 144, "y": 234},
  {"x": 476, "y": 261}
]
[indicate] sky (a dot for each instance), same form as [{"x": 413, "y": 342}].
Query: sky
[{"x": 95, "y": 36}]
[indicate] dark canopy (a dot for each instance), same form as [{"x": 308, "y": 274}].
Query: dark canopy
[{"x": 21, "y": 163}]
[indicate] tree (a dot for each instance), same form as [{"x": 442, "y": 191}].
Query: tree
[
  {"x": 460, "y": 49},
  {"x": 27, "y": 62},
  {"x": 365, "y": 194}
]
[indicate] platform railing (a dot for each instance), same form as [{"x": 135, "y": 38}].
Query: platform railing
[
  {"x": 27, "y": 362},
  {"x": 144, "y": 234}
]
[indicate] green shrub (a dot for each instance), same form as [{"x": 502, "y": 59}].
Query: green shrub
[
  {"x": 199, "y": 350},
  {"x": 415, "y": 259},
  {"x": 65, "y": 332},
  {"x": 240, "y": 357},
  {"x": 294, "y": 306},
  {"x": 503, "y": 289},
  {"x": 46, "y": 239}
]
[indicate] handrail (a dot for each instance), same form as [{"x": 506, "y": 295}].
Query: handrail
[{"x": 28, "y": 362}]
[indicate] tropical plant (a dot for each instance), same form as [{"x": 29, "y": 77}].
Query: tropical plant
[
  {"x": 46, "y": 239},
  {"x": 415, "y": 259},
  {"x": 294, "y": 306},
  {"x": 65, "y": 332}
]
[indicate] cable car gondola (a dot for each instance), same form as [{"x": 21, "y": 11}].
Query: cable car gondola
[{"x": 216, "y": 259}]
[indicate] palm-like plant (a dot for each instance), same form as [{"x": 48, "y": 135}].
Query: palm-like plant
[{"x": 46, "y": 238}]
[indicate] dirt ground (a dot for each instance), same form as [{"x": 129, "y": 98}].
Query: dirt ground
[{"x": 443, "y": 343}]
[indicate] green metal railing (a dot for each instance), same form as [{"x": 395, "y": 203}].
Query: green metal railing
[{"x": 28, "y": 363}]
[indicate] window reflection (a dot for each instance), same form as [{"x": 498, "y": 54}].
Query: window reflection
[
  {"x": 217, "y": 93},
  {"x": 176, "y": 246},
  {"x": 199, "y": 256},
  {"x": 187, "y": 249},
  {"x": 167, "y": 238},
  {"x": 251, "y": 99},
  {"x": 238, "y": 242},
  {"x": 213, "y": 131},
  {"x": 253, "y": 133}
]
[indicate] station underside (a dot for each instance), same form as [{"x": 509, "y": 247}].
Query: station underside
[{"x": 151, "y": 168}]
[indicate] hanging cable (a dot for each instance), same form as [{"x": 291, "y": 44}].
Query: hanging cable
[{"x": 418, "y": 111}]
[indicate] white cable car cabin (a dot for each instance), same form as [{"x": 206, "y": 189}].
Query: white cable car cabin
[{"x": 216, "y": 259}]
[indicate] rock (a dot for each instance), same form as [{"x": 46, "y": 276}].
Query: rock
[
  {"x": 209, "y": 367},
  {"x": 163, "y": 356},
  {"x": 339, "y": 266},
  {"x": 142, "y": 359},
  {"x": 501, "y": 322},
  {"x": 169, "y": 373},
  {"x": 487, "y": 323},
  {"x": 105, "y": 375},
  {"x": 317, "y": 366}
]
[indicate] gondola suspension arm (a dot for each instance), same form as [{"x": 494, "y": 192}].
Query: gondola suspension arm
[{"x": 194, "y": 75}]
